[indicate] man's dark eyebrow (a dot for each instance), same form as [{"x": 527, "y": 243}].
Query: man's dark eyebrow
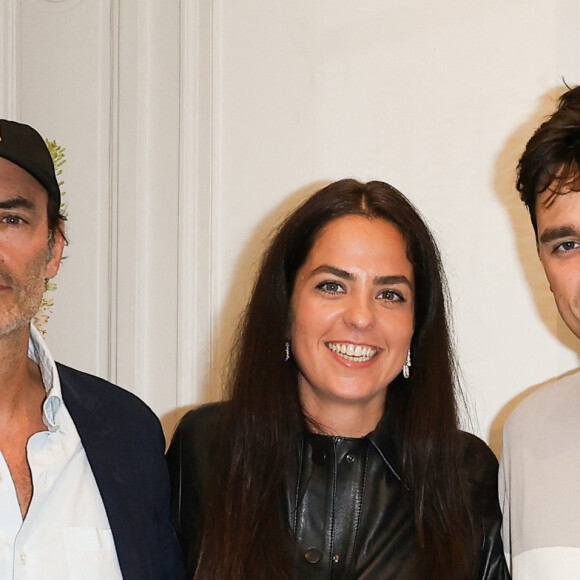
[
  {"x": 558, "y": 233},
  {"x": 17, "y": 203},
  {"x": 378, "y": 281}
]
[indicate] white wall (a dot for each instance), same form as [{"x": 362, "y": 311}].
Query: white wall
[{"x": 192, "y": 127}]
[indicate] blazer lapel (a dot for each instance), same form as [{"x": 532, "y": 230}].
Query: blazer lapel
[{"x": 101, "y": 437}]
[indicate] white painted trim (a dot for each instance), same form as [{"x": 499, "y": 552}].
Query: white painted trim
[
  {"x": 8, "y": 60},
  {"x": 147, "y": 244},
  {"x": 215, "y": 386},
  {"x": 195, "y": 202},
  {"x": 55, "y": 5},
  {"x": 113, "y": 188},
  {"x": 142, "y": 193},
  {"x": 127, "y": 217}
]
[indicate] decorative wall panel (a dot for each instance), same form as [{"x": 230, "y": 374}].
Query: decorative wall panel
[
  {"x": 191, "y": 127},
  {"x": 116, "y": 82}
]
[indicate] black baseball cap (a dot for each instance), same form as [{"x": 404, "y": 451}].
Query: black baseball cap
[{"x": 24, "y": 146}]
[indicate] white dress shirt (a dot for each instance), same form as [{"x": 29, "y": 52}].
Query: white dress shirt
[{"x": 66, "y": 533}]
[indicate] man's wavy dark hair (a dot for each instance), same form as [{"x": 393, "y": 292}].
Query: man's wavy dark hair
[{"x": 551, "y": 159}]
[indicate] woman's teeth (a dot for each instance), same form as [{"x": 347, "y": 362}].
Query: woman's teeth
[{"x": 352, "y": 352}]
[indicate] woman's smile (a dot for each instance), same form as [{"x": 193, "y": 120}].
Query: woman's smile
[
  {"x": 352, "y": 316},
  {"x": 353, "y": 352}
]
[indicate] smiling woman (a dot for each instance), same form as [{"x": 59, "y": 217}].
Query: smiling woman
[
  {"x": 340, "y": 460},
  {"x": 351, "y": 323}
]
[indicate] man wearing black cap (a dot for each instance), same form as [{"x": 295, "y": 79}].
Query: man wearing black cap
[{"x": 83, "y": 483}]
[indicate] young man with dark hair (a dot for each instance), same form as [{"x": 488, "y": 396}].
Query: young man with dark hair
[
  {"x": 540, "y": 467},
  {"x": 84, "y": 490}
]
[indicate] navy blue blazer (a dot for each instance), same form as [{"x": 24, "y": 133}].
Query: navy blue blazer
[{"x": 125, "y": 447}]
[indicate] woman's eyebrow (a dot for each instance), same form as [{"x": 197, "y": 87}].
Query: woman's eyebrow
[
  {"x": 324, "y": 269},
  {"x": 344, "y": 275},
  {"x": 386, "y": 280}
]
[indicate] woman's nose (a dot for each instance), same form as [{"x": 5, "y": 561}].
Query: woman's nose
[{"x": 359, "y": 312}]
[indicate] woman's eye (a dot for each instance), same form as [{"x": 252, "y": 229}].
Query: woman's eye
[
  {"x": 331, "y": 287},
  {"x": 567, "y": 246},
  {"x": 391, "y": 296}
]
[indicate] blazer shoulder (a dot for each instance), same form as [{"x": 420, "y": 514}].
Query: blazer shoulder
[{"x": 79, "y": 386}]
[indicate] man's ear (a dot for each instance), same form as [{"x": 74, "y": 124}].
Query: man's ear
[{"x": 56, "y": 245}]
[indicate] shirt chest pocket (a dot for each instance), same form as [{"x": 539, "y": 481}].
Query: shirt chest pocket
[{"x": 90, "y": 553}]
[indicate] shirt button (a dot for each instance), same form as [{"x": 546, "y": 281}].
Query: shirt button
[
  {"x": 313, "y": 556},
  {"x": 336, "y": 558},
  {"x": 350, "y": 458},
  {"x": 23, "y": 558}
]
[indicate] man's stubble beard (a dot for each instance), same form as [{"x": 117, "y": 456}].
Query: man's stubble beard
[{"x": 27, "y": 297}]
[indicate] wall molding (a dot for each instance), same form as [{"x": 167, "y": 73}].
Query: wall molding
[
  {"x": 55, "y": 5},
  {"x": 111, "y": 330},
  {"x": 8, "y": 60},
  {"x": 195, "y": 203},
  {"x": 568, "y": 40}
]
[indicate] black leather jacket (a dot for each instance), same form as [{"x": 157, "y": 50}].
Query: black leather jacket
[{"x": 350, "y": 515}]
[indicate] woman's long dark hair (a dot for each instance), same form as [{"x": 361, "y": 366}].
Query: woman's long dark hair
[{"x": 245, "y": 533}]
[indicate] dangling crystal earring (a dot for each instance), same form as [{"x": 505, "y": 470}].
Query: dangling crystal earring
[
  {"x": 287, "y": 350},
  {"x": 407, "y": 365}
]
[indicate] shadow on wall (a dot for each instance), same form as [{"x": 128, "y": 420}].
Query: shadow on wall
[
  {"x": 241, "y": 285},
  {"x": 496, "y": 429},
  {"x": 170, "y": 420},
  {"x": 504, "y": 185}
]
